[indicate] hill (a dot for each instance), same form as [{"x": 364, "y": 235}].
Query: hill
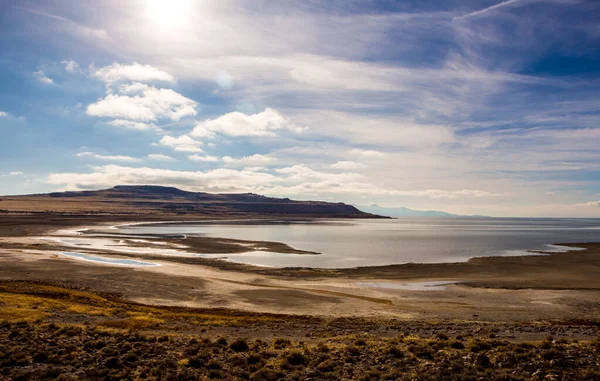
[
  {"x": 152, "y": 200},
  {"x": 406, "y": 212}
]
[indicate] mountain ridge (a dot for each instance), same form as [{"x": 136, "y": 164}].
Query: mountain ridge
[
  {"x": 152, "y": 199},
  {"x": 406, "y": 212}
]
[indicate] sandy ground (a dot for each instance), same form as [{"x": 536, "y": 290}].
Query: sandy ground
[{"x": 533, "y": 288}]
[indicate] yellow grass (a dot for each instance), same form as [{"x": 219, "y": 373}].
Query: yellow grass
[{"x": 21, "y": 301}]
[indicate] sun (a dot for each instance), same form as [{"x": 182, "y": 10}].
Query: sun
[{"x": 168, "y": 14}]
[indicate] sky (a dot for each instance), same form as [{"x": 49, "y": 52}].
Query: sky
[{"x": 471, "y": 107}]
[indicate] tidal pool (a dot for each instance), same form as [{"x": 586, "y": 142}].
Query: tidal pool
[
  {"x": 112, "y": 261},
  {"x": 438, "y": 285}
]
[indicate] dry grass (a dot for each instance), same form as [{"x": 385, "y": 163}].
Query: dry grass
[
  {"x": 30, "y": 302},
  {"x": 50, "y": 332}
]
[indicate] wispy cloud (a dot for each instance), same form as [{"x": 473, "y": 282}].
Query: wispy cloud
[
  {"x": 255, "y": 160},
  {"x": 204, "y": 158},
  {"x": 351, "y": 165},
  {"x": 131, "y": 124},
  {"x": 43, "y": 78},
  {"x": 81, "y": 29},
  {"x": 160, "y": 157},
  {"x": 492, "y": 8},
  {"x": 107, "y": 157},
  {"x": 70, "y": 65},
  {"x": 131, "y": 72}
]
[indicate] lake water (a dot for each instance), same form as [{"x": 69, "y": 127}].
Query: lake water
[{"x": 351, "y": 243}]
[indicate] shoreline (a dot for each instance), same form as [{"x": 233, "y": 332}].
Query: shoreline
[{"x": 555, "y": 286}]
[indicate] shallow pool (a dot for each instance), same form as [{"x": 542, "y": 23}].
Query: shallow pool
[
  {"x": 439, "y": 285},
  {"x": 113, "y": 261}
]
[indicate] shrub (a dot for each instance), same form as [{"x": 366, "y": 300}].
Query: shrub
[
  {"x": 394, "y": 351},
  {"x": 41, "y": 356},
  {"x": 237, "y": 360},
  {"x": 483, "y": 360},
  {"x": 113, "y": 363},
  {"x": 253, "y": 358},
  {"x": 239, "y": 345},
  {"x": 322, "y": 347},
  {"x": 214, "y": 374},
  {"x": 195, "y": 362},
  {"x": 326, "y": 366},
  {"x": 266, "y": 374},
  {"x": 281, "y": 343},
  {"x": 296, "y": 358},
  {"x": 222, "y": 341},
  {"x": 353, "y": 351},
  {"x": 360, "y": 342},
  {"x": 214, "y": 364}
]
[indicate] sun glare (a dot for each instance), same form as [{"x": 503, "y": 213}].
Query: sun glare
[{"x": 169, "y": 14}]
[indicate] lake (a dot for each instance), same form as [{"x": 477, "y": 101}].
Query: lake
[{"x": 352, "y": 243}]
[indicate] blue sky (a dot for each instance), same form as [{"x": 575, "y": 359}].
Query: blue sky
[{"x": 473, "y": 107}]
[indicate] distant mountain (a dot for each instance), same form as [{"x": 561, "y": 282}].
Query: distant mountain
[
  {"x": 158, "y": 200},
  {"x": 405, "y": 212}
]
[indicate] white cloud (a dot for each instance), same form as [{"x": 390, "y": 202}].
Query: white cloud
[
  {"x": 3, "y": 113},
  {"x": 70, "y": 65},
  {"x": 302, "y": 173},
  {"x": 206, "y": 158},
  {"x": 16, "y": 173},
  {"x": 366, "y": 153},
  {"x": 255, "y": 169},
  {"x": 594, "y": 204},
  {"x": 347, "y": 165},
  {"x": 265, "y": 123},
  {"x": 160, "y": 157},
  {"x": 133, "y": 72},
  {"x": 107, "y": 157},
  {"x": 132, "y": 88},
  {"x": 43, "y": 78},
  {"x": 132, "y": 124},
  {"x": 217, "y": 180},
  {"x": 149, "y": 104},
  {"x": 296, "y": 181},
  {"x": 251, "y": 161},
  {"x": 201, "y": 132},
  {"x": 181, "y": 143}
]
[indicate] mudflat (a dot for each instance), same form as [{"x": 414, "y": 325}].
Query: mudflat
[{"x": 551, "y": 286}]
